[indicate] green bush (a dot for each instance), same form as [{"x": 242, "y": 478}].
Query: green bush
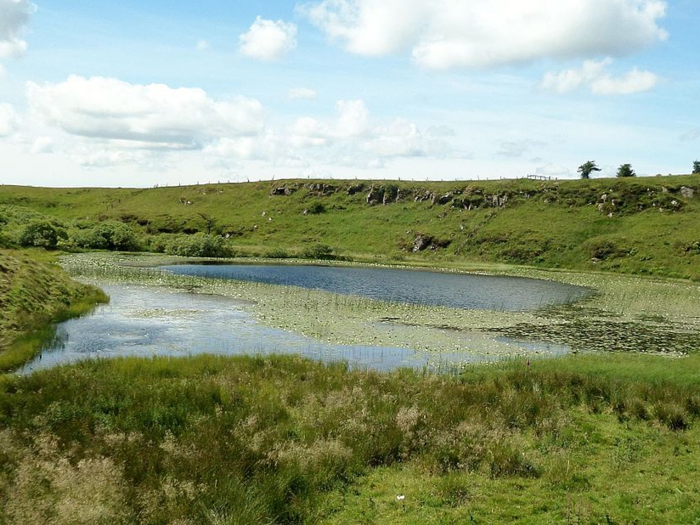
[
  {"x": 317, "y": 208},
  {"x": 41, "y": 234},
  {"x": 318, "y": 251},
  {"x": 106, "y": 236},
  {"x": 197, "y": 245}
]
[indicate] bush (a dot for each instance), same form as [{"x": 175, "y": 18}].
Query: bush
[
  {"x": 41, "y": 234},
  {"x": 106, "y": 236},
  {"x": 317, "y": 208},
  {"x": 197, "y": 245},
  {"x": 318, "y": 251}
]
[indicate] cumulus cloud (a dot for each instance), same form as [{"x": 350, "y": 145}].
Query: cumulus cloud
[
  {"x": 443, "y": 34},
  {"x": 9, "y": 120},
  {"x": 105, "y": 121},
  {"x": 351, "y": 139},
  {"x": 152, "y": 115},
  {"x": 14, "y": 15},
  {"x": 593, "y": 74},
  {"x": 635, "y": 81},
  {"x": 268, "y": 39},
  {"x": 302, "y": 93}
]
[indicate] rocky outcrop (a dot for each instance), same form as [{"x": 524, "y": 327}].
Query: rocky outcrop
[
  {"x": 283, "y": 190},
  {"x": 424, "y": 242}
]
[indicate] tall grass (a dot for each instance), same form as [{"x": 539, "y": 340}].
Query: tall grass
[{"x": 253, "y": 440}]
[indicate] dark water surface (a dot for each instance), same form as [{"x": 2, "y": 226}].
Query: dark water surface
[
  {"x": 474, "y": 292},
  {"x": 145, "y": 321}
]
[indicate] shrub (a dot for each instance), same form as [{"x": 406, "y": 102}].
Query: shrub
[
  {"x": 197, "y": 245},
  {"x": 106, "y": 236},
  {"x": 317, "y": 208},
  {"x": 318, "y": 251},
  {"x": 42, "y": 234}
]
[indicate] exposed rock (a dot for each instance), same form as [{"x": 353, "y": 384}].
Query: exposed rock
[
  {"x": 687, "y": 193},
  {"x": 442, "y": 199},
  {"x": 421, "y": 243},
  {"x": 320, "y": 188},
  {"x": 424, "y": 242},
  {"x": 283, "y": 190},
  {"x": 356, "y": 188},
  {"x": 423, "y": 196},
  {"x": 375, "y": 196}
]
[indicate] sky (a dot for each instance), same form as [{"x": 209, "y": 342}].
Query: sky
[{"x": 134, "y": 93}]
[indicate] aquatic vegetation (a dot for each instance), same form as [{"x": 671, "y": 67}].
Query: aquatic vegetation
[{"x": 631, "y": 314}]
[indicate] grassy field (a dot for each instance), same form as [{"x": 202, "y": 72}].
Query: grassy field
[
  {"x": 606, "y": 439},
  {"x": 35, "y": 292},
  {"x": 601, "y": 438},
  {"x": 642, "y": 226}
]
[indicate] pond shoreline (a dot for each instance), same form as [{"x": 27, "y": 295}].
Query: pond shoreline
[{"x": 644, "y": 315}]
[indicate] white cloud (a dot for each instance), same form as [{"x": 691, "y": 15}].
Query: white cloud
[
  {"x": 202, "y": 45},
  {"x": 142, "y": 116},
  {"x": 302, "y": 93},
  {"x": 571, "y": 79},
  {"x": 14, "y": 15},
  {"x": 268, "y": 39},
  {"x": 635, "y": 81},
  {"x": 9, "y": 120},
  {"x": 593, "y": 75},
  {"x": 515, "y": 149},
  {"x": 3, "y": 71},
  {"x": 42, "y": 145},
  {"x": 443, "y": 34}
]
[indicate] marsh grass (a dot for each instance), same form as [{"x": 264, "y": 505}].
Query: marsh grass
[{"x": 216, "y": 440}]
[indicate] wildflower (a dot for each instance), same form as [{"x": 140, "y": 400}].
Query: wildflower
[{"x": 400, "y": 497}]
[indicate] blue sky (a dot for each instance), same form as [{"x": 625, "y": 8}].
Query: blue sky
[{"x": 141, "y": 93}]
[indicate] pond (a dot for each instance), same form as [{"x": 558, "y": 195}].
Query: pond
[
  {"x": 143, "y": 321},
  {"x": 464, "y": 291}
]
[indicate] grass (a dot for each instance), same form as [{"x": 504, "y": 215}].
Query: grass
[
  {"x": 283, "y": 440},
  {"x": 34, "y": 293},
  {"x": 639, "y": 226}
]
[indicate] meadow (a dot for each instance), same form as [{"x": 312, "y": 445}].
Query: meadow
[
  {"x": 607, "y": 434},
  {"x": 283, "y": 440}
]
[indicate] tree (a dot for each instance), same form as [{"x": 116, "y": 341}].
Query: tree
[
  {"x": 626, "y": 171},
  {"x": 587, "y": 168},
  {"x": 696, "y": 167}
]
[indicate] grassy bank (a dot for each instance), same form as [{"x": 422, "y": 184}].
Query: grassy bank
[
  {"x": 34, "y": 293},
  {"x": 642, "y": 226},
  {"x": 282, "y": 440}
]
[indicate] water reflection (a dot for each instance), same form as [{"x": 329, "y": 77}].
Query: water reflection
[
  {"x": 148, "y": 321},
  {"x": 475, "y": 292}
]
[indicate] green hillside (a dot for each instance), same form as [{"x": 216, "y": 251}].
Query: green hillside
[
  {"x": 34, "y": 293},
  {"x": 642, "y": 225}
]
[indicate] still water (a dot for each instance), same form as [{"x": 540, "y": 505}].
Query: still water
[
  {"x": 145, "y": 321},
  {"x": 475, "y": 292}
]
